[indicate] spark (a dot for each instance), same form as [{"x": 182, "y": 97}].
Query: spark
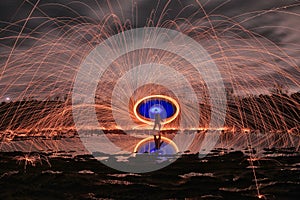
[
  {"x": 32, "y": 160},
  {"x": 47, "y": 70}
]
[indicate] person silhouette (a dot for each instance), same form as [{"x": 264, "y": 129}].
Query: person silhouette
[
  {"x": 157, "y": 141},
  {"x": 157, "y": 121}
]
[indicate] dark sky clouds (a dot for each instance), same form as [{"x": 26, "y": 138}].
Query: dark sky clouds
[
  {"x": 275, "y": 20},
  {"x": 251, "y": 14}
]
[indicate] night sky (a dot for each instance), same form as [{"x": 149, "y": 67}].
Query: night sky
[{"x": 275, "y": 21}]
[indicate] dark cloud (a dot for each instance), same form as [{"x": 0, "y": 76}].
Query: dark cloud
[
  {"x": 273, "y": 20},
  {"x": 253, "y": 15}
]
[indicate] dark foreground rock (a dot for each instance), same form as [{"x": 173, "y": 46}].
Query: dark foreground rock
[{"x": 230, "y": 176}]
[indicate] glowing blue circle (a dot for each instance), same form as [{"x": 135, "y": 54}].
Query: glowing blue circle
[
  {"x": 149, "y": 108},
  {"x": 149, "y": 147},
  {"x": 157, "y": 109}
]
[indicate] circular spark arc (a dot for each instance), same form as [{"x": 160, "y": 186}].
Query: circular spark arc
[
  {"x": 165, "y": 139},
  {"x": 168, "y": 120}
]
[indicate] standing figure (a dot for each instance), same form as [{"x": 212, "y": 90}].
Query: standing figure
[{"x": 157, "y": 121}]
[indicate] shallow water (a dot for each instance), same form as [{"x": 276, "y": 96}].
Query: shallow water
[{"x": 217, "y": 176}]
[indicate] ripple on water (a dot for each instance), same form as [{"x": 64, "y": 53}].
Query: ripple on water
[
  {"x": 51, "y": 172},
  {"x": 124, "y": 175},
  {"x": 191, "y": 174},
  {"x": 86, "y": 172}
]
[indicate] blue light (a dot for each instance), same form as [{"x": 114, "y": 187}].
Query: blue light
[
  {"x": 149, "y": 147},
  {"x": 150, "y": 107}
]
